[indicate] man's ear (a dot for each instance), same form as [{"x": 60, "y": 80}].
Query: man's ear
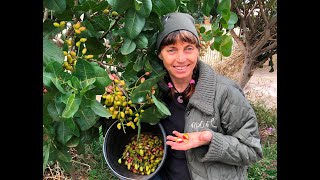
[{"x": 159, "y": 56}]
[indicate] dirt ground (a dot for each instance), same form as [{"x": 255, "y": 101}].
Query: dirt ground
[{"x": 262, "y": 86}]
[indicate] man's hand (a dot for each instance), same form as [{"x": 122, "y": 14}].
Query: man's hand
[{"x": 185, "y": 141}]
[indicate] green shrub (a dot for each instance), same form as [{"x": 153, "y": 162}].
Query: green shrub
[{"x": 267, "y": 167}]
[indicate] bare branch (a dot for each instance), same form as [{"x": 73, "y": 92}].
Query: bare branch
[
  {"x": 271, "y": 46},
  {"x": 238, "y": 40},
  {"x": 272, "y": 21},
  {"x": 237, "y": 9},
  {"x": 45, "y": 14},
  {"x": 262, "y": 41},
  {"x": 263, "y": 13},
  {"x": 251, "y": 10}
]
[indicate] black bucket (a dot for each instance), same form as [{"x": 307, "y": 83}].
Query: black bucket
[{"x": 114, "y": 144}]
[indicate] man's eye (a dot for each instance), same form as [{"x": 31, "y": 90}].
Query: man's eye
[{"x": 171, "y": 50}]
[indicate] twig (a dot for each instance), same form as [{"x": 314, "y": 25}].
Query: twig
[{"x": 81, "y": 163}]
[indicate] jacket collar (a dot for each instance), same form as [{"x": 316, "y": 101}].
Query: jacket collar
[{"x": 204, "y": 94}]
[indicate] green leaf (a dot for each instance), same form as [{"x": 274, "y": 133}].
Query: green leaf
[
  {"x": 46, "y": 150},
  {"x": 52, "y": 70},
  {"x": 100, "y": 22},
  {"x": 151, "y": 115},
  {"x": 202, "y": 29},
  {"x": 64, "y": 156},
  {"x": 226, "y": 45},
  {"x": 48, "y": 28},
  {"x": 192, "y": 6},
  {"x": 139, "y": 94},
  {"x": 162, "y": 7},
  {"x": 91, "y": 5},
  {"x": 225, "y": 15},
  {"x": 120, "y": 5},
  {"x": 64, "y": 133},
  {"x": 233, "y": 19},
  {"x": 57, "y": 5},
  {"x": 223, "y": 5},
  {"x": 134, "y": 23},
  {"x": 102, "y": 79},
  {"x": 216, "y": 43},
  {"x": 137, "y": 5},
  {"x": 75, "y": 82},
  {"x": 51, "y": 52},
  {"x": 99, "y": 109},
  {"x": 94, "y": 46},
  {"x": 207, "y": 7},
  {"x": 73, "y": 142},
  {"x": 138, "y": 64},
  {"x": 57, "y": 82},
  {"x": 207, "y": 36},
  {"x": 72, "y": 107},
  {"x": 86, "y": 118},
  {"x": 66, "y": 166},
  {"x": 141, "y": 41},
  {"x": 145, "y": 9},
  {"x": 55, "y": 110},
  {"x": 84, "y": 70},
  {"x": 162, "y": 107},
  {"x": 87, "y": 84},
  {"x": 65, "y": 15},
  {"x": 147, "y": 65},
  {"x": 128, "y": 47},
  {"x": 130, "y": 75}
]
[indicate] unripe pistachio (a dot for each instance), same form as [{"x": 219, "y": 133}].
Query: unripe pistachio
[
  {"x": 114, "y": 13},
  {"x": 77, "y": 31},
  {"x": 77, "y": 25},
  {"x": 62, "y": 23},
  {"x": 119, "y": 126},
  {"x": 89, "y": 56},
  {"x": 82, "y": 28},
  {"x": 106, "y": 11},
  {"x": 56, "y": 24},
  {"x": 83, "y": 39},
  {"x": 84, "y": 50},
  {"x": 73, "y": 53}
]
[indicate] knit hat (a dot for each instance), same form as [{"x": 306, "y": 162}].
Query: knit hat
[{"x": 176, "y": 21}]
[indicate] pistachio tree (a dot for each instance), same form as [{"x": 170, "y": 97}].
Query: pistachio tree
[{"x": 99, "y": 64}]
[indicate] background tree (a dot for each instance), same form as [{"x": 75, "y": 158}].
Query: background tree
[
  {"x": 257, "y": 39},
  {"x": 87, "y": 44}
]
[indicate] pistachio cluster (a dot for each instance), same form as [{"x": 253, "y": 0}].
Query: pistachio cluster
[
  {"x": 76, "y": 46},
  {"x": 117, "y": 100}
]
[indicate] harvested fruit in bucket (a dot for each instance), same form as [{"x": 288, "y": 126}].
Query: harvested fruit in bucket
[{"x": 144, "y": 155}]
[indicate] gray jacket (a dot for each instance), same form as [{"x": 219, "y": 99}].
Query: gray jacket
[{"x": 219, "y": 105}]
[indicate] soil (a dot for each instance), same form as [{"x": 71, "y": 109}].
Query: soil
[{"x": 262, "y": 86}]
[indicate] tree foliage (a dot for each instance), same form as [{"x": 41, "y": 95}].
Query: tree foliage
[{"x": 88, "y": 43}]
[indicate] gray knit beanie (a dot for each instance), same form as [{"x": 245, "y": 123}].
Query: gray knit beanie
[{"x": 176, "y": 21}]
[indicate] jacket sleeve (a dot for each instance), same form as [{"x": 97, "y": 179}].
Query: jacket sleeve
[{"x": 240, "y": 145}]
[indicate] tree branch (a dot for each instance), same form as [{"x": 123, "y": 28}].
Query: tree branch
[
  {"x": 262, "y": 41},
  {"x": 105, "y": 33},
  {"x": 263, "y": 13},
  {"x": 272, "y": 21},
  {"x": 238, "y": 40},
  {"x": 271, "y": 46},
  {"x": 45, "y": 14},
  {"x": 237, "y": 9}
]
